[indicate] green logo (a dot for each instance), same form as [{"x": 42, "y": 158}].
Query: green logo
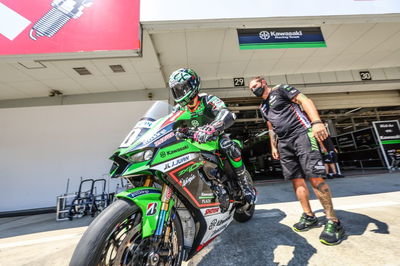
[{"x": 190, "y": 168}]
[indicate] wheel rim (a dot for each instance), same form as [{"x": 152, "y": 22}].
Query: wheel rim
[{"x": 125, "y": 245}]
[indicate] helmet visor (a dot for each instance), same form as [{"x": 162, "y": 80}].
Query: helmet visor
[{"x": 180, "y": 90}]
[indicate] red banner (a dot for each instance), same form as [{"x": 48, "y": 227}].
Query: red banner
[{"x": 62, "y": 26}]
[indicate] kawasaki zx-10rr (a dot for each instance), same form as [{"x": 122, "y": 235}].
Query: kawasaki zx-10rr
[{"x": 174, "y": 208}]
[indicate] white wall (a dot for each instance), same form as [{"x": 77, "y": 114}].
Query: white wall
[
  {"x": 161, "y": 10},
  {"x": 41, "y": 147}
]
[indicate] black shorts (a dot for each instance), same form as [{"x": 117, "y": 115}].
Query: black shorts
[
  {"x": 330, "y": 157},
  {"x": 300, "y": 157}
]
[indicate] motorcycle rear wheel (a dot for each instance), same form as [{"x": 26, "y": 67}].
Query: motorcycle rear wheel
[{"x": 115, "y": 238}]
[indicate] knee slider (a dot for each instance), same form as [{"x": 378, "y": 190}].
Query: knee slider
[{"x": 230, "y": 148}]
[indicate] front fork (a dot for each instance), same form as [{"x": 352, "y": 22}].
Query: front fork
[
  {"x": 155, "y": 251},
  {"x": 166, "y": 195}
]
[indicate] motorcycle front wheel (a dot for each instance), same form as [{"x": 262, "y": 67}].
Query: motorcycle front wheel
[{"x": 115, "y": 238}]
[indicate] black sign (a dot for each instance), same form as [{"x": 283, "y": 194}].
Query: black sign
[
  {"x": 365, "y": 75},
  {"x": 278, "y": 38},
  {"x": 346, "y": 142},
  {"x": 388, "y": 133},
  {"x": 238, "y": 82},
  {"x": 365, "y": 139}
]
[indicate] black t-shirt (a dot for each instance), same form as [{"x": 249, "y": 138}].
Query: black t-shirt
[{"x": 286, "y": 117}]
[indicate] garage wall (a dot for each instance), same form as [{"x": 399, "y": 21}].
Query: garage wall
[
  {"x": 41, "y": 147},
  {"x": 356, "y": 99}
]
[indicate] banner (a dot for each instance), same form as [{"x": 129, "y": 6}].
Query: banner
[
  {"x": 64, "y": 26},
  {"x": 388, "y": 133},
  {"x": 278, "y": 38}
]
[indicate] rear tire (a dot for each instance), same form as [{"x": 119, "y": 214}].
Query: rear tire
[
  {"x": 114, "y": 238},
  {"x": 242, "y": 215}
]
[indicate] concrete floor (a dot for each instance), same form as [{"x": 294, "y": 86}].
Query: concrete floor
[{"x": 369, "y": 207}]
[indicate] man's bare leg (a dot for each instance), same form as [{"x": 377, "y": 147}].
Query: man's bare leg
[
  {"x": 333, "y": 168},
  {"x": 322, "y": 191},
  {"x": 303, "y": 195}
]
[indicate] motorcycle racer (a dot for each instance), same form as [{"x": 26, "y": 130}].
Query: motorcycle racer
[{"x": 210, "y": 117}]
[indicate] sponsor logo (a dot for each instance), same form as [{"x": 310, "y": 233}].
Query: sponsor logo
[
  {"x": 151, "y": 209},
  {"x": 219, "y": 230},
  {"x": 143, "y": 192},
  {"x": 195, "y": 123},
  {"x": 264, "y": 35},
  {"x": 186, "y": 181},
  {"x": 216, "y": 222},
  {"x": 191, "y": 168},
  {"x": 164, "y": 139},
  {"x": 144, "y": 124},
  {"x": 177, "y": 150},
  {"x": 212, "y": 211},
  {"x": 205, "y": 201},
  {"x": 155, "y": 136},
  {"x": 223, "y": 221},
  {"x": 212, "y": 224},
  {"x": 207, "y": 194},
  {"x": 176, "y": 162}
]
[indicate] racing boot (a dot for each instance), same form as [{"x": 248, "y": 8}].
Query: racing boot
[
  {"x": 244, "y": 180},
  {"x": 222, "y": 196}
]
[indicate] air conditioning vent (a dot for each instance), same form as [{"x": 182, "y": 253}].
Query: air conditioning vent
[
  {"x": 82, "y": 71},
  {"x": 117, "y": 68}
]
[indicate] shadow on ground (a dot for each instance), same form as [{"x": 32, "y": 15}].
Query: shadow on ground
[{"x": 253, "y": 243}]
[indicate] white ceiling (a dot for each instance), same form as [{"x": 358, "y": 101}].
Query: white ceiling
[{"x": 214, "y": 53}]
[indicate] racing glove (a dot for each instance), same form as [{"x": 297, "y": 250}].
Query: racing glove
[{"x": 205, "y": 133}]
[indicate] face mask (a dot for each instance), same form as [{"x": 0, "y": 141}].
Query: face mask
[{"x": 259, "y": 91}]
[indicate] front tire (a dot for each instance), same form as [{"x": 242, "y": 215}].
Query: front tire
[{"x": 115, "y": 238}]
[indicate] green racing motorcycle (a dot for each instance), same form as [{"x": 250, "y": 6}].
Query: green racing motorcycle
[{"x": 173, "y": 209}]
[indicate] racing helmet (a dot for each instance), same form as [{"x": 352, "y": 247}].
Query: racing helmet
[{"x": 185, "y": 85}]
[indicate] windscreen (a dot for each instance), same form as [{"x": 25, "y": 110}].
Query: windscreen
[{"x": 158, "y": 110}]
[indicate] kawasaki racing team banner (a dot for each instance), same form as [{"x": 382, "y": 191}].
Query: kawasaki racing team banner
[
  {"x": 388, "y": 133},
  {"x": 276, "y": 38}
]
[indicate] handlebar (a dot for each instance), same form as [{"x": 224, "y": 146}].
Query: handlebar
[{"x": 188, "y": 133}]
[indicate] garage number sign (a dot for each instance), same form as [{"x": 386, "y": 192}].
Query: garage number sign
[
  {"x": 238, "y": 82},
  {"x": 365, "y": 75}
]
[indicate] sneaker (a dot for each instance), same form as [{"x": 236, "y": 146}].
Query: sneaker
[
  {"x": 338, "y": 176},
  {"x": 333, "y": 233},
  {"x": 306, "y": 223},
  {"x": 329, "y": 176}
]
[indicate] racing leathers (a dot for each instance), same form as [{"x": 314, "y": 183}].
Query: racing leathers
[{"x": 211, "y": 117}]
